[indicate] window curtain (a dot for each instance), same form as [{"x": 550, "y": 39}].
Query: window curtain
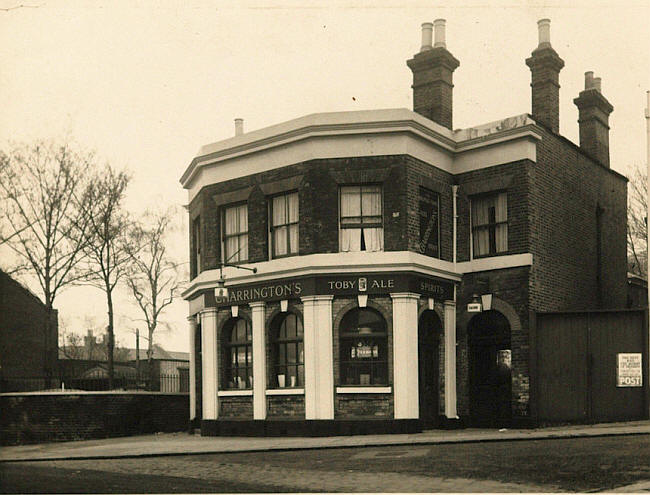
[
  {"x": 350, "y": 208},
  {"x": 501, "y": 213},
  {"x": 480, "y": 216},
  {"x": 279, "y": 225},
  {"x": 371, "y": 211},
  {"x": 293, "y": 219}
]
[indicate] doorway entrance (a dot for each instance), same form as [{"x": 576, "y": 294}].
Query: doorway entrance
[
  {"x": 490, "y": 377},
  {"x": 429, "y": 328}
]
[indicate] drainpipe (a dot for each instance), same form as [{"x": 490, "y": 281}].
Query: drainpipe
[{"x": 454, "y": 190}]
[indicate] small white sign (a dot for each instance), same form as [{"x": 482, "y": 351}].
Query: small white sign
[
  {"x": 474, "y": 308},
  {"x": 629, "y": 371}
]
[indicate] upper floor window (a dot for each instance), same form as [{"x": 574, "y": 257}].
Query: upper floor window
[
  {"x": 235, "y": 234},
  {"x": 429, "y": 214},
  {"x": 196, "y": 247},
  {"x": 284, "y": 225},
  {"x": 238, "y": 354},
  {"x": 288, "y": 353},
  {"x": 489, "y": 224},
  {"x": 361, "y": 218}
]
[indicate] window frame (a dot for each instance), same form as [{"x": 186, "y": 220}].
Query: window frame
[
  {"x": 360, "y": 225},
  {"x": 377, "y": 365},
  {"x": 196, "y": 251},
  {"x": 278, "y": 342},
  {"x": 228, "y": 370},
  {"x": 438, "y": 220},
  {"x": 239, "y": 235},
  {"x": 490, "y": 226},
  {"x": 273, "y": 228}
]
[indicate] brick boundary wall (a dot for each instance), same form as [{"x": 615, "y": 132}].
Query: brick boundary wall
[{"x": 34, "y": 417}]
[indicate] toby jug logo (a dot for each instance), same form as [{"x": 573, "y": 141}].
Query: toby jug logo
[{"x": 363, "y": 284}]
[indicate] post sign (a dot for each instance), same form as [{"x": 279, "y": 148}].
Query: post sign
[{"x": 629, "y": 370}]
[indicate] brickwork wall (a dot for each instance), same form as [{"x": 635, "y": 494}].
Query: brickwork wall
[
  {"x": 567, "y": 187},
  {"x": 285, "y": 406},
  {"x": 349, "y": 406},
  {"x": 512, "y": 177},
  {"x": 511, "y": 287},
  {"x": 236, "y": 407},
  {"x": 422, "y": 174},
  {"x": 23, "y": 341},
  {"x": 36, "y": 418}
]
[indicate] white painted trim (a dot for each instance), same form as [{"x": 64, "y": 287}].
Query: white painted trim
[
  {"x": 326, "y": 263},
  {"x": 450, "y": 360},
  {"x": 495, "y": 263},
  {"x": 364, "y": 133},
  {"x": 210, "y": 365},
  {"x": 235, "y": 393},
  {"x": 259, "y": 360},
  {"x": 405, "y": 351},
  {"x": 364, "y": 390},
  {"x": 286, "y": 391}
]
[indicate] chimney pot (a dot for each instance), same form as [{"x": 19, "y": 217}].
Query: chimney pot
[
  {"x": 544, "y": 30},
  {"x": 427, "y": 33},
  {"x": 239, "y": 127},
  {"x": 439, "y": 39},
  {"x": 597, "y": 84},
  {"x": 589, "y": 79}
]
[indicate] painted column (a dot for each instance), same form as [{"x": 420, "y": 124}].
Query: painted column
[
  {"x": 259, "y": 361},
  {"x": 319, "y": 360},
  {"x": 405, "y": 355},
  {"x": 450, "y": 360},
  {"x": 193, "y": 325},
  {"x": 210, "y": 370}
]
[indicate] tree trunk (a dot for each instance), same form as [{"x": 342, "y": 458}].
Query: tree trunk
[
  {"x": 111, "y": 340},
  {"x": 150, "y": 359}
]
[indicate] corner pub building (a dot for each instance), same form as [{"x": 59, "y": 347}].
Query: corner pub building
[{"x": 372, "y": 234}]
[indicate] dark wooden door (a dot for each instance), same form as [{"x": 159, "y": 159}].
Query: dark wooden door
[
  {"x": 490, "y": 370},
  {"x": 429, "y": 329}
]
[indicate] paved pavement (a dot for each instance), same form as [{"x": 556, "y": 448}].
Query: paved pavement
[{"x": 183, "y": 443}]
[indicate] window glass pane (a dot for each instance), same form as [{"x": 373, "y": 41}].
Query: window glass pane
[
  {"x": 502, "y": 207},
  {"x": 371, "y": 203},
  {"x": 350, "y": 202},
  {"x": 293, "y": 239},
  {"x": 243, "y": 218},
  {"x": 374, "y": 239},
  {"x": 350, "y": 240},
  {"x": 279, "y": 210},
  {"x": 280, "y": 241},
  {"x": 293, "y": 203},
  {"x": 299, "y": 330},
  {"x": 282, "y": 354},
  {"x": 290, "y": 325},
  {"x": 231, "y": 221},
  {"x": 291, "y": 353}
]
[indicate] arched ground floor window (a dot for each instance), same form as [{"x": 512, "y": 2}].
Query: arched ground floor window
[{"x": 363, "y": 347}]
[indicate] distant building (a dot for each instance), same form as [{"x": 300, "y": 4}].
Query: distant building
[
  {"x": 28, "y": 354},
  {"x": 400, "y": 262}
]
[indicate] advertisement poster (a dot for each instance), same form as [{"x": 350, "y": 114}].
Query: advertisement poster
[{"x": 629, "y": 370}]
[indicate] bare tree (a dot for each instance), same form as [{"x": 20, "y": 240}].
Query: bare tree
[
  {"x": 637, "y": 226},
  {"x": 153, "y": 275},
  {"x": 43, "y": 220},
  {"x": 106, "y": 249}
]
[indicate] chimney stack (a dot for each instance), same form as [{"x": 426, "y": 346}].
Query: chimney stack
[
  {"x": 433, "y": 71},
  {"x": 545, "y": 66},
  {"x": 239, "y": 127},
  {"x": 593, "y": 119}
]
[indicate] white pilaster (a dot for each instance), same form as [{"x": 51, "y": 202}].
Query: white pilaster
[
  {"x": 450, "y": 360},
  {"x": 259, "y": 361},
  {"x": 319, "y": 361},
  {"x": 192, "y": 324},
  {"x": 405, "y": 355},
  {"x": 210, "y": 368}
]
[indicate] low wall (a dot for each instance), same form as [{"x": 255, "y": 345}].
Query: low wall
[{"x": 35, "y": 417}]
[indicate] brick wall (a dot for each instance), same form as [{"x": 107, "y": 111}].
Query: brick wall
[
  {"x": 567, "y": 188},
  {"x": 285, "y": 406},
  {"x": 35, "y": 418},
  {"x": 349, "y": 406},
  {"x": 236, "y": 407},
  {"x": 25, "y": 350}
]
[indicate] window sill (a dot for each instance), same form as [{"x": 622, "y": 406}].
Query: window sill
[
  {"x": 234, "y": 393},
  {"x": 364, "y": 390},
  {"x": 286, "y": 391}
]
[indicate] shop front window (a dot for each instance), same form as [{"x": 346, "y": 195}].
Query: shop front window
[
  {"x": 363, "y": 348},
  {"x": 288, "y": 352},
  {"x": 238, "y": 355}
]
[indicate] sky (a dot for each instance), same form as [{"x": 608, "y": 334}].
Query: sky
[{"x": 146, "y": 83}]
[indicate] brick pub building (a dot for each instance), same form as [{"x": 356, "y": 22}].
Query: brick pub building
[{"x": 372, "y": 233}]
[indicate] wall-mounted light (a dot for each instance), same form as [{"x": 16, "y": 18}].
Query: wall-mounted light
[
  {"x": 221, "y": 291},
  {"x": 475, "y": 306}
]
